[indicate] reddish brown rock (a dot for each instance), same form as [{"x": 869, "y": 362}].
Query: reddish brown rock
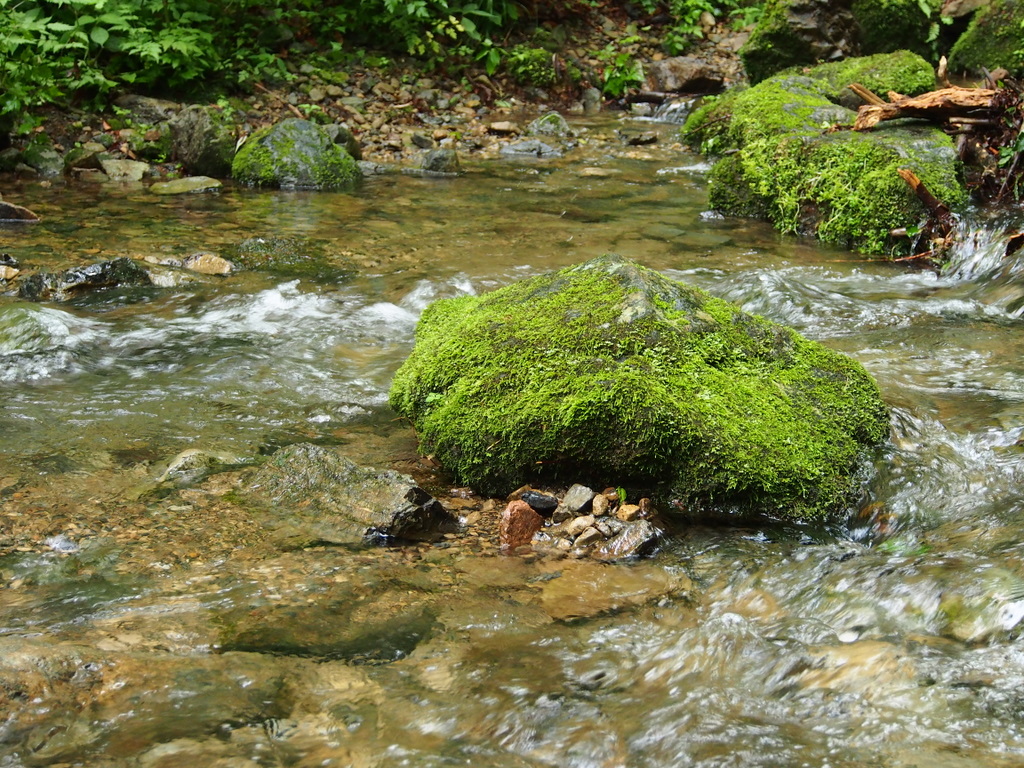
[{"x": 518, "y": 524}]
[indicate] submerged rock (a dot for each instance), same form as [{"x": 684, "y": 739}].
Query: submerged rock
[
  {"x": 316, "y": 495},
  {"x": 294, "y": 154},
  {"x": 61, "y": 286},
  {"x": 290, "y": 256},
  {"x": 610, "y": 370},
  {"x": 186, "y": 186},
  {"x": 530, "y": 148}
]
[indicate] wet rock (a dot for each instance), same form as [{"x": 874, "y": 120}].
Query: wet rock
[
  {"x": 123, "y": 170},
  {"x": 551, "y": 124},
  {"x": 421, "y": 141},
  {"x": 684, "y": 74},
  {"x": 441, "y": 161},
  {"x": 540, "y": 502},
  {"x": 61, "y": 286},
  {"x": 530, "y": 148},
  {"x": 207, "y": 264},
  {"x": 341, "y": 134},
  {"x": 641, "y": 139},
  {"x": 592, "y": 101},
  {"x": 203, "y": 141},
  {"x": 187, "y": 186},
  {"x": 635, "y": 539},
  {"x": 588, "y": 537},
  {"x": 519, "y": 522},
  {"x": 12, "y": 212},
  {"x": 8, "y": 273},
  {"x": 600, "y": 505},
  {"x": 192, "y": 465},
  {"x": 713, "y": 379},
  {"x": 314, "y": 495},
  {"x": 294, "y": 154}
]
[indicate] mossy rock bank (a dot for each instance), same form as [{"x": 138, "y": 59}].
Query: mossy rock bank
[
  {"x": 995, "y": 38},
  {"x": 794, "y": 169},
  {"x": 608, "y": 372},
  {"x": 294, "y": 154}
]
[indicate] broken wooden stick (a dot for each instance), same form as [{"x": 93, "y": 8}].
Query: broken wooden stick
[{"x": 937, "y": 105}]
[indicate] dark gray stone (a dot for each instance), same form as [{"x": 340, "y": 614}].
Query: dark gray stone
[
  {"x": 444, "y": 161},
  {"x": 315, "y": 495},
  {"x": 203, "y": 141},
  {"x": 578, "y": 498},
  {"x": 60, "y": 286}
]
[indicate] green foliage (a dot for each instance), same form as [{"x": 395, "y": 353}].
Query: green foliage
[
  {"x": 57, "y": 50},
  {"x": 621, "y": 70},
  {"x": 531, "y": 66}
]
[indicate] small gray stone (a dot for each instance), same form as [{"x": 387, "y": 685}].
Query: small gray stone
[
  {"x": 577, "y": 498},
  {"x": 551, "y": 124},
  {"x": 530, "y": 147}
]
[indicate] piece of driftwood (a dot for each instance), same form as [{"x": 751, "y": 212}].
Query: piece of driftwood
[{"x": 936, "y": 105}]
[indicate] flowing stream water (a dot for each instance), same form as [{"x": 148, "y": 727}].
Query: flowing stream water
[{"x": 891, "y": 639}]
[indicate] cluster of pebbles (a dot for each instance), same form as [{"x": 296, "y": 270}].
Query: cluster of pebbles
[{"x": 580, "y": 523}]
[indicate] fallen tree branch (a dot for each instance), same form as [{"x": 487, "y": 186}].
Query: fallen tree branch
[
  {"x": 866, "y": 95},
  {"x": 938, "y": 105}
]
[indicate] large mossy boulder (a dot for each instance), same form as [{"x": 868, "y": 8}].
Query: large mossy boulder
[
  {"x": 294, "y": 154},
  {"x": 790, "y": 166},
  {"x": 995, "y": 38},
  {"x": 798, "y": 32},
  {"x": 608, "y": 372},
  {"x": 794, "y": 33}
]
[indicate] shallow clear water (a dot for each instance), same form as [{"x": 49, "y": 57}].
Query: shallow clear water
[{"x": 889, "y": 641}]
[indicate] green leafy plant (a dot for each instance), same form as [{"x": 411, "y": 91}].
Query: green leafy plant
[{"x": 621, "y": 70}]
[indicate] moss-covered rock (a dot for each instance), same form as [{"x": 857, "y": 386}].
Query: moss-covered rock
[
  {"x": 294, "y": 154},
  {"x": 204, "y": 140},
  {"x": 609, "y": 372},
  {"x": 892, "y": 25},
  {"x": 805, "y": 32},
  {"x": 793, "y": 169},
  {"x": 995, "y": 38},
  {"x": 799, "y": 32}
]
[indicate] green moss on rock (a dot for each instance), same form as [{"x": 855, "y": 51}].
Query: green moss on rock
[
  {"x": 294, "y": 154},
  {"x": 995, "y": 38},
  {"x": 843, "y": 187},
  {"x": 609, "y": 372}
]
